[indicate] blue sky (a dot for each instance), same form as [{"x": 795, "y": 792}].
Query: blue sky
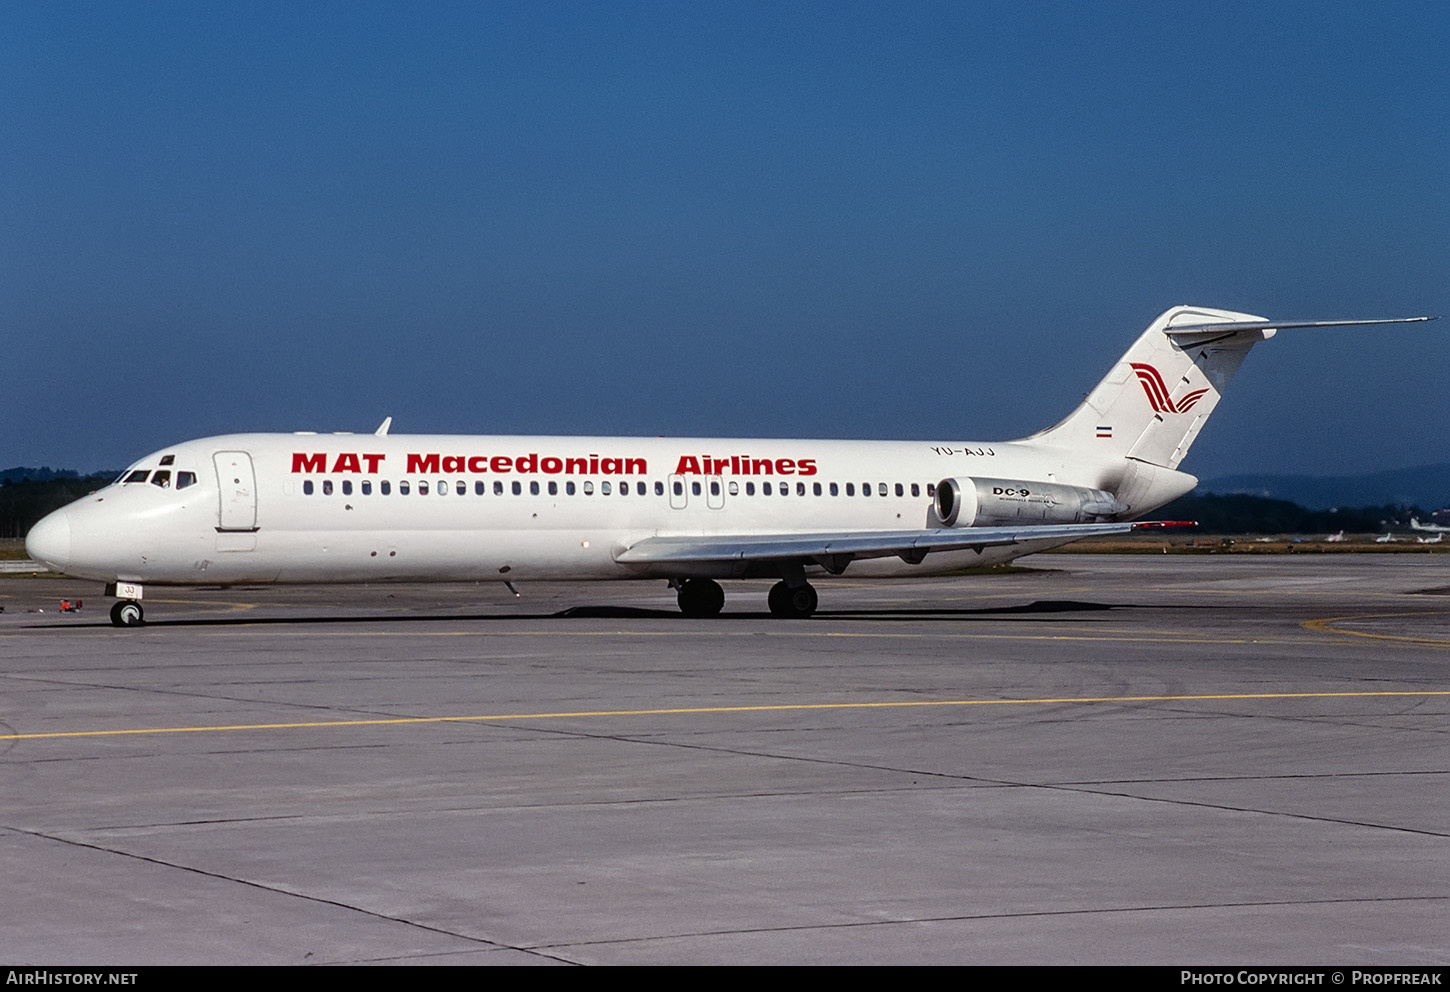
[{"x": 910, "y": 220}]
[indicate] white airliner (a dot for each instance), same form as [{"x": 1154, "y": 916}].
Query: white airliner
[{"x": 295, "y": 508}]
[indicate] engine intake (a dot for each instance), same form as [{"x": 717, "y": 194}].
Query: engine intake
[{"x": 969, "y": 502}]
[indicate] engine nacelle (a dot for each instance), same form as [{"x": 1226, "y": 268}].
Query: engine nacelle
[{"x": 969, "y": 502}]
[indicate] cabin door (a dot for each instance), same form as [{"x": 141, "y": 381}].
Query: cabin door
[{"x": 237, "y": 489}]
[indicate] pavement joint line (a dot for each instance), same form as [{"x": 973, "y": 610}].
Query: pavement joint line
[{"x": 700, "y": 710}]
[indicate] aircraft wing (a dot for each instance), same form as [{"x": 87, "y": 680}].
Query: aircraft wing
[{"x": 835, "y": 550}]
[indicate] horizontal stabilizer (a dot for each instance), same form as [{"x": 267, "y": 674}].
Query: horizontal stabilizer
[{"x": 1229, "y": 327}]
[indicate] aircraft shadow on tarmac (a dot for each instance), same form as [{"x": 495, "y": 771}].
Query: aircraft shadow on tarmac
[{"x": 1036, "y": 610}]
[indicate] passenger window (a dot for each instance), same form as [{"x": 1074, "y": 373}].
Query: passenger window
[
  {"x": 347, "y": 487},
  {"x": 385, "y": 487},
  {"x": 695, "y": 488},
  {"x": 442, "y": 487},
  {"x": 750, "y": 489},
  {"x": 534, "y": 488},
  {"x": 835, "y": 489},
  {"x": 162, "y": 479},
  {"x": 588, "y": 487},
  {"x": 850, "y": 489},
  {"x": 518, "y": 488},
  {"x": 306, "y": 487},
  {"x": 639, "y": 489},
  {"x": 915, "y": 489},
  {"x": 327, "y": 487},
  {"x": 800, "y": 488},
  {"x": 184, "y": 479},
  {"x": 478, "y": 488},
  {"x": 881, "y": 489},
  {"x": 367, "y": 487},
  {"x": 765, "y": 489},
  {"x": 497, "y": 488},
  {"x": 569, "y": 489},
  {"x": 931, "y": 488},
  {"x": 422, "y": 487},
  {"x": 403, "y": 488},
  {"x": 553, "y": 488},
  {"x": 816, "y": 488},
  {"x": 679, "y": 488},
  {"x": 714, "y": 488},
  {"x": 605, "y": 489},
  {"x": 733, "y": 488},
  {"x": 659, "y": 488},
  {"x": 461, "y": 487}
]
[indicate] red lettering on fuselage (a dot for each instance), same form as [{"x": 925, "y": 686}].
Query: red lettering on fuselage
[
  {"x": 743, "y": 465},
  {"x": 432, "y": 463},
  {"x": 346, "y": 461}
]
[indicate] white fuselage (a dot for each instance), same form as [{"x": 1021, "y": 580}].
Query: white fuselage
[{"x": 258, "y": 508}]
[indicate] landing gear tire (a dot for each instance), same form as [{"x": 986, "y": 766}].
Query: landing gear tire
[
  {"x": 127, "y": 613},
  {"x": 796, "y": 603},
  {"x": 701, "y": 597}
]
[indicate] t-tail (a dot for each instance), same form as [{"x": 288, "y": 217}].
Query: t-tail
[{"x": 1138, "y": 423}]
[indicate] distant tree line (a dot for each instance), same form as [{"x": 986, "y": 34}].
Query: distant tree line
[
  {"x": 1242, "y": 514},
  {"x": 24, "y": 499}
]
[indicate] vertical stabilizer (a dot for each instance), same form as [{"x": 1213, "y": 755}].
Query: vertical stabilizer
[{"x": 1156, "y": 399}]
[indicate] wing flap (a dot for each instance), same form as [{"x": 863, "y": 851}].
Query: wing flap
[{"x": 909, "y": 544}]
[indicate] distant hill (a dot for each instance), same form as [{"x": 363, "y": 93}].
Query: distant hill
[
  {"x": 43, "y": 474},
  {"x": 1427, "y": 487},
  {"x": 1239, "y": 513},
  {"x": 26, "y": 499}
]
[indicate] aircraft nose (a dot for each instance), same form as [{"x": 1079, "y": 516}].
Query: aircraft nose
[{"x": 49, "y": 540}]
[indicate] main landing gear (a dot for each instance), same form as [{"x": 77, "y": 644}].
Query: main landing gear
[
  {"x": 705, "y": 598},
  {"x": 700, "y": 597},
  {"x": 796, "y": 603},
  {"x": 127, "y": 613}
]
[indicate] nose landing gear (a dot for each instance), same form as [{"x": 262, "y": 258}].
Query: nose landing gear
[{"x": 127, "y": 613}]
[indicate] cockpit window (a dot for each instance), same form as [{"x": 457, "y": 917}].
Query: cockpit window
[
  {"x": 168, "y": 459},
  {"x": 162, "y": 479},
  {"x": 184, "y": 479},
  {"x": 137, "y": 476}
]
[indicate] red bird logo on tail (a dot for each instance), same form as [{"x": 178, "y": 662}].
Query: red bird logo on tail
[{"x": 1157, "y": 391}]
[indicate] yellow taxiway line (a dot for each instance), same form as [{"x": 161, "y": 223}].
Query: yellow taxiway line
[{"x": 695, "y": 710}]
